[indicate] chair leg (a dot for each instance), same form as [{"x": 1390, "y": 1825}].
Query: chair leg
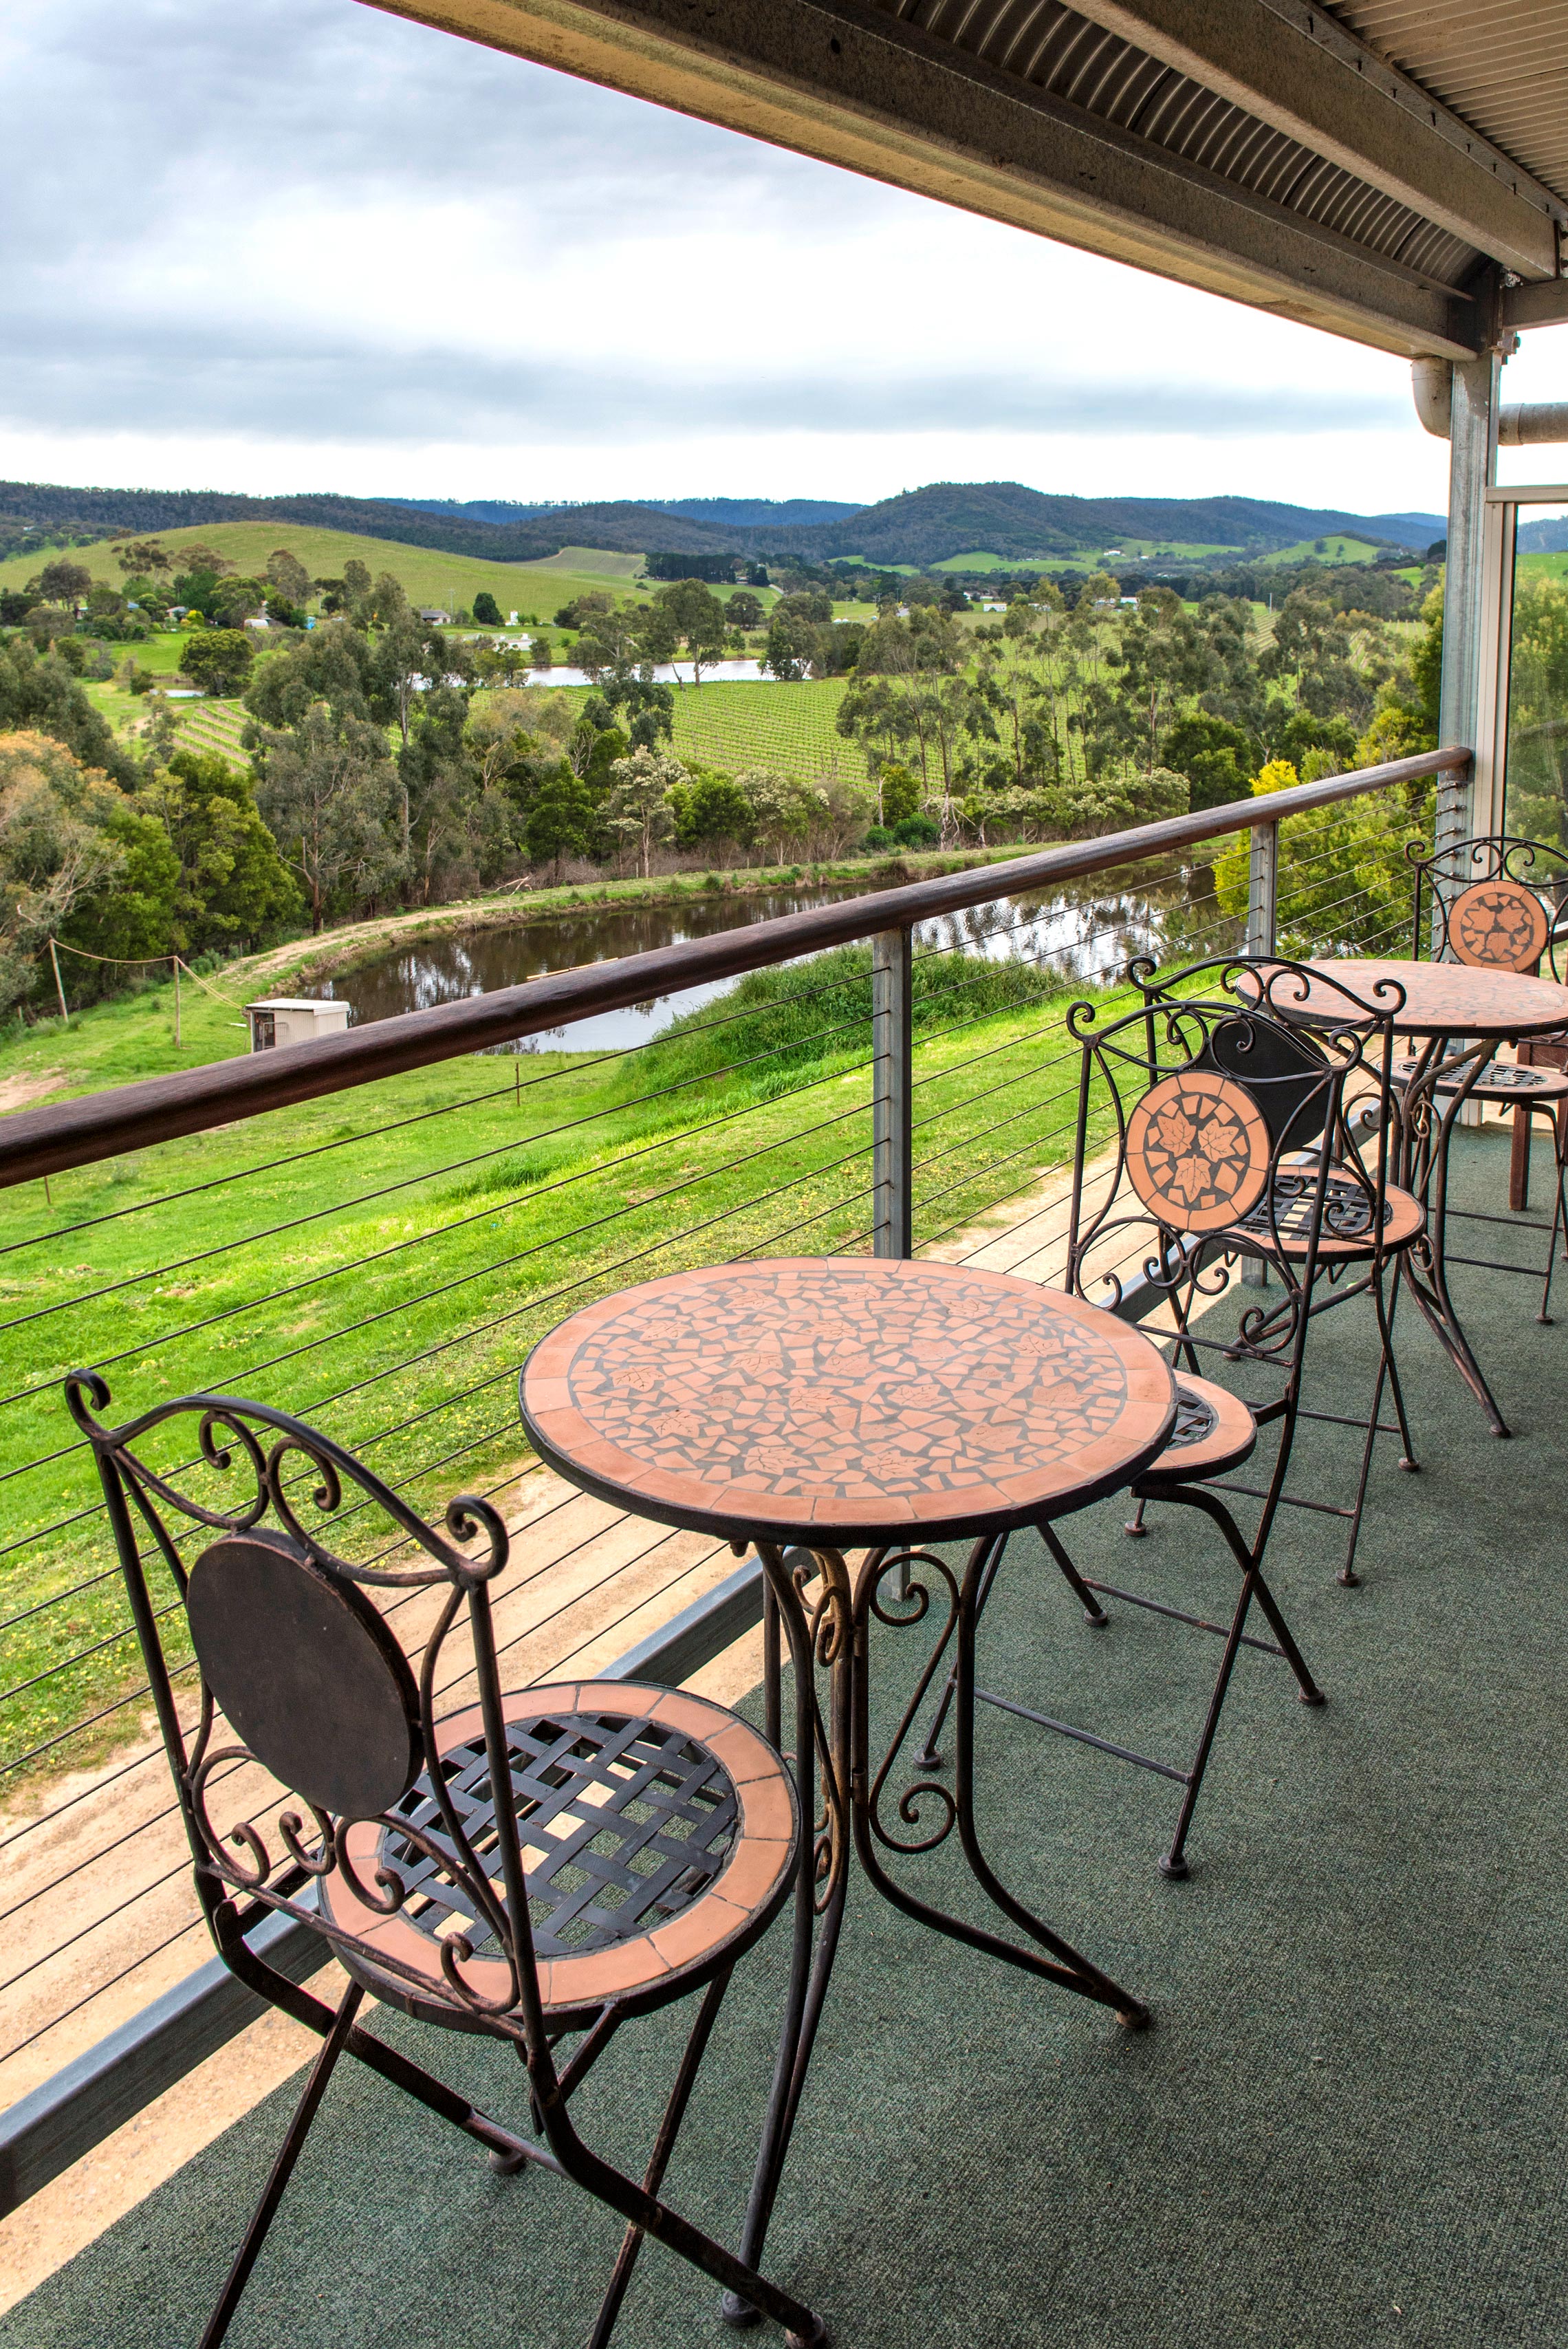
[
  {"x": 1388, "y": 1375},
  {"x": 1173, "y": 1863},
  {"x": 1559, "y": 1207},
  {"x": 321, "y": 2072},
  {"x": 1347, "y": 1574},
  {"x": 1386, "y": 1308},
  {"x": 658, "y": 2161},
  {"x": 1094, "y": 1613},
  {"x": 1519, "y": 1161}
]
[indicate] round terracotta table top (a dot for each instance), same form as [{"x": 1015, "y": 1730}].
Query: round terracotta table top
[
  {"x": 846, "y": 1399},
  {"x": 1441, "y": 998}
]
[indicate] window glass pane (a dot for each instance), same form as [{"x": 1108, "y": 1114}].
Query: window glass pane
[{"x": 1537, "y": 768}]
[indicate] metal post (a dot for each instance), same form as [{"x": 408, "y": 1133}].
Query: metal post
[
  {"x": 1262, "y": 889},
  {"x": 1262, "y": 906},
  {"x": 1472, "y": 466},
  {"x": 175, "y": 959},
  {"x": 1472, "y": 461},
  {"x": 59, "y": 990},
  {"x": 892, "y": 1146}
]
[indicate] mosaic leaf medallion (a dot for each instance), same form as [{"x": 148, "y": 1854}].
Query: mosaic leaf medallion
[{"x": 1198, "y": 1151}]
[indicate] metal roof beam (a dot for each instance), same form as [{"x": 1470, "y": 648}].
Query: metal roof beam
[
  {"x": 1293, "y": 67},
  {"x": 853, "y": 86},
  {"x": 1541, "y": 305}
]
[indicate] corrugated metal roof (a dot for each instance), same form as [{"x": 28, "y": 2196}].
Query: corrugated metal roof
[
  {"x": 1054, "y": 48},
  {"x": 1500, "y": 64}
]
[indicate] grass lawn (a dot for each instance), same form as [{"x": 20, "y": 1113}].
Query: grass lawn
[{"x": 386, "y": 1258}]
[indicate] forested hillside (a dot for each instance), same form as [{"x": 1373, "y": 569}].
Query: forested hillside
[{"x": 933, "y": 524}]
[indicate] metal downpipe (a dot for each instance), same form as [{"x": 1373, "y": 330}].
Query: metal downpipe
[{"x": 1519, "y": 427}]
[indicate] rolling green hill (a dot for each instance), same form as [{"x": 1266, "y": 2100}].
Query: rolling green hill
[
  {"x": 944, "y": 522},
  {"x": 425, "y": 576}
]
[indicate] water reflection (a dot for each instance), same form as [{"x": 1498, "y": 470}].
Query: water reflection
[
  {"x": 1084, "y": 932},
  {"x": 748, "y": 671}
]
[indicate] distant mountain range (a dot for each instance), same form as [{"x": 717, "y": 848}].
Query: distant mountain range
[
  {"x": 933, "y": 524},
  {"x": 723, "y": 514}
]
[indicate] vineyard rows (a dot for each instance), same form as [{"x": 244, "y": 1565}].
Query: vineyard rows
[{"x": 787, "y": 727}]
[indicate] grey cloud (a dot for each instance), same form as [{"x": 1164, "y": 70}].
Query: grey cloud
[
  {"x": 136, "y": 137},
  {"x": 106, "y": 376},
  {"x": 125, "y": 122}
]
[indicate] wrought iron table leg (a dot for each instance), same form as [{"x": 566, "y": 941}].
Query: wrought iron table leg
[
  {"x": 1054, "y": 1959},
  {"x": 835, "y": 1635},
  {"x": 816, "y": 1934},
  {"x": 1426, "y": 1156}
]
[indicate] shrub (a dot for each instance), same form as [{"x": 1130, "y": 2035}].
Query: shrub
[{"x": 917, "y": 832}]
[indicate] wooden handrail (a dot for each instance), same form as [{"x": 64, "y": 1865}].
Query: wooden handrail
[{"x": 35, "y": 1142}]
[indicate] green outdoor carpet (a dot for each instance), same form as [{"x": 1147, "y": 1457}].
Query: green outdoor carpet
[{"x": 1347, "y": 2125}]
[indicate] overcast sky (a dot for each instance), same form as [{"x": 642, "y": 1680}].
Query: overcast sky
[{"x": 295, "y": 244}]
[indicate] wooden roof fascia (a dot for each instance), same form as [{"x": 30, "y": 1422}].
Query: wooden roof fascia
[{"x": 849, "y": 86}]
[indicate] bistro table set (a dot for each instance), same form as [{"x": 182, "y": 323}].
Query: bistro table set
[{"x": 1258, "y": 1142}]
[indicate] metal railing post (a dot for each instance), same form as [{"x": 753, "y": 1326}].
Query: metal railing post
[
  {"x": 1262, "y": 888},
  {"x": 1262, "y": 909},
  {"x": 891, "y": 1148}
]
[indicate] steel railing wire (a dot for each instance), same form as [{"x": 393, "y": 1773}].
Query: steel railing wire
[{"x": 995, "y": 1164}]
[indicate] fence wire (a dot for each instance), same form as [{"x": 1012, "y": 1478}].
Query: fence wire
[{"x": 382, "y": 1262}]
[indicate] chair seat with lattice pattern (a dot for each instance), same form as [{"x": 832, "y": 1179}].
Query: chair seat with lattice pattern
[
  {"x": 1508, "y": 1082},
  {"x": 659, "y": 1842},
  {"x": 1214, "y": 1433},
  {"x": 1346, "y": 1232}
]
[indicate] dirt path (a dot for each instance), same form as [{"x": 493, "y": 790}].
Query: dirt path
[{"x": 17, "y": 1092}]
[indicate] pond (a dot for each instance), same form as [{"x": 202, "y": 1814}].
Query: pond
[
  {"x": 1084, "y": 931},
  {"x": 723, "y": 672}
]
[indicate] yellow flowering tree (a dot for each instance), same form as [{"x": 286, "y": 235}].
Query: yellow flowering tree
[{"x": 1345, "y": 882}]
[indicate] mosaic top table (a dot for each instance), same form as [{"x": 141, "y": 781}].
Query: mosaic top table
[
  {"x": 1459, "y": 1012},
  {"x": 817, "y": 1406}
]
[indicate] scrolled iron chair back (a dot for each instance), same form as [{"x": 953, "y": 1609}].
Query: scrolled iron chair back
[
  {"x": 289, "y": 1652},
  {"x": 1496, "y": 902},
  {"x": 1238, "y": 1093}
]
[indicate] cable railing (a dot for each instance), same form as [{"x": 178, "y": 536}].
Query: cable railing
[{"x": 371, "y": 1231}]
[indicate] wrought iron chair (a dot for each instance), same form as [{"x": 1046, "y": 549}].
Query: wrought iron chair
[
  {"x": 648, "y": 1841},
  {"x": 1501, "y": 903},
  {"x": 1236, "y": 1098}
]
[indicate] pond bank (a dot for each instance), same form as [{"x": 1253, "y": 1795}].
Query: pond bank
[{"x": 312, "y": 962}]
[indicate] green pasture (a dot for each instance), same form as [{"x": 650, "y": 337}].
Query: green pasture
[
  {"x": 1334, "y": 550},
  {"x": 382, "y": 1260},
  {"x": 425, "y": 576},
  {"x": 126, "y": 713},
  {"x": 982, "y": 562},
  {"x": 904, "y": 570},
  {"x": 1131, "y": 550}
]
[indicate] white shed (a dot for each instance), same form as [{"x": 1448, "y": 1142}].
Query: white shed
[{"x": 292, "y": 1020}]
